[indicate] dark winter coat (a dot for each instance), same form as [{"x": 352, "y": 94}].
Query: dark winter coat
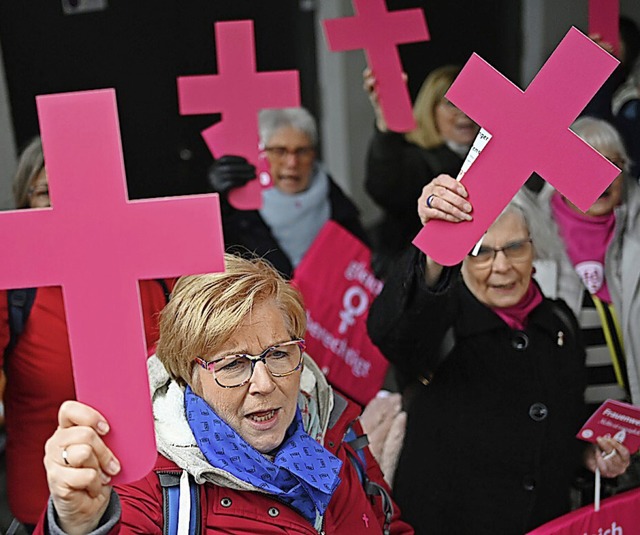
[
  {"x": 246, "y": 230},
  {"x": 396, "y": 173},
  {"x": 490, "y": 444}
]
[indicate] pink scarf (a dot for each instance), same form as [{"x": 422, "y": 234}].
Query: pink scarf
[
  {"x": 516, "y": 316},
  {"x": 586, "y": 239}
]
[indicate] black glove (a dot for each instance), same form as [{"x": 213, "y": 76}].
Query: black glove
[{"x": 229, "y": 172}]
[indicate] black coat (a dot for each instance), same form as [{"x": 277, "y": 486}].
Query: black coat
[
  {"x": 245, "y": 230},
  {"x": 396, "y": 172},
  {"x": 490, "y": 445}
]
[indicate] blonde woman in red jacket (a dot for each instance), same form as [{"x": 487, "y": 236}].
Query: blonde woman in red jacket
[{"x": 239, "y": 409}]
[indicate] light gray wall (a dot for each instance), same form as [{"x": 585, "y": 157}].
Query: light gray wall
[
  {"x": 346, "y": 117},
  {"x": 7, "y": 144}
]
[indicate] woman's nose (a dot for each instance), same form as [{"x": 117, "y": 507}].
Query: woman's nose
[{"x": 261, "y": 380}]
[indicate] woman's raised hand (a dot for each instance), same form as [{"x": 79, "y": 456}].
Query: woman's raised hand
[
  {"x": 79, "y": 467},
  {"x": 369, "y": 84},
  {"x": 444, "y": 198},
  {"x": 611, "y": 457}
]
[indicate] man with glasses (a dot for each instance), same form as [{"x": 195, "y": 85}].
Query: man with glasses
[{"x": 303, "y": 199}]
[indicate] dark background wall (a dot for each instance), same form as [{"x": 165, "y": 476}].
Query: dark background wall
[{"x": 141, "y": 47}]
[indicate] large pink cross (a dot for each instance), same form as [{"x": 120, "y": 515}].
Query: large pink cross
[
  {"x": 97, "y": 245},
  {"x": 378, "y": 31},
  {"x": 604, "y": 20},
  {"x": 238, "y": 92},
  {"x": 530, "y": 132}
]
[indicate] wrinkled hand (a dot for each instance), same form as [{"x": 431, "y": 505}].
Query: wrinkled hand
[
  {"x": 384, "y": 423},
  {"x": 230, "y": 172},
  {"x": 447, "y": 199},
  {"x": 79, "y": 485},
  {"x": 610, "y": 464},
  {"x": 369, "y": 85}
]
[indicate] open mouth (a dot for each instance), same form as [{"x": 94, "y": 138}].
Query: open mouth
[{"x": 262, "y": 416}]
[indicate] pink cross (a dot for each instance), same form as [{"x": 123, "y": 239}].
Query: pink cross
[
  {"x": 97, "y": 245},
  {"x": 378, "y": 31},
  {"x": 238, "y": 92},
  {"x": 604, "y": 20},
  {"x": 530, "y": 133},
  {"x": 365, "y": 519}
]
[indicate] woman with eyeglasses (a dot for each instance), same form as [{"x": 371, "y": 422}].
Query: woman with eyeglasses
[
  {"x": 303, "y": 197},
  {"x": 499, "y": 372},
  {"x": 240, "y": 409},
  {"x": 591, "y": 260},
  {"x": 400, "y": 165}
]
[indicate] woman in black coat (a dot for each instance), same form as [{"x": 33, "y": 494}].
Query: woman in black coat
[
  {"x": 490, "y": 444},
  {"x": 399, "y": 165},
  {"x": 303, "y": 198}
]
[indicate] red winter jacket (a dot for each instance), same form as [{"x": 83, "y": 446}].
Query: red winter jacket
[{"x": 224, "y": 510}]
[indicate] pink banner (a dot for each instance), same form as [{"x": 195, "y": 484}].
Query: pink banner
[
  {"x": 338, "y": 287},
  {"x": 94, "y": 234},
  {"x": 618, "y": 515}
]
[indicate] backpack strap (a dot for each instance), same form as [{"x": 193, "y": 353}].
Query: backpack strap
[
  {"x": 20, "y": 301},
  {"x": 371, "y": 488},
  {"x": 179, "y": 491}
]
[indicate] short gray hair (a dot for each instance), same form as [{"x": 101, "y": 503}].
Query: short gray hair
[
  {"x": 30, "y": 164},
  {"x": 602, "y": 136},
  {"x": 298, "y": 118}
]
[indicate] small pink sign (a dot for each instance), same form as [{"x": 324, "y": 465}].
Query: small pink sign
[
  {"x": 614, "y": 419},
  {"x": 93, "y": 234},
  {"x": 238, "y": 92},
  {"x": 530, "y": 132},
  {"x": 379, "y": 31}
]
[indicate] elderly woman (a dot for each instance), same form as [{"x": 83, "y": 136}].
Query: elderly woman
[
  {"x": 490, "y": 444},
  {"x": 591, "y": 261},
  {"x": 303, "y": 199},
  {"x": 230, "y": 375},
  {"x": 35, "y": 355},
  {"x": 398, "y": 166}
]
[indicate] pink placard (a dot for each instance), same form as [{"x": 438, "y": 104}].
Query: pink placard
[
  {"x": 379, "y": 31},
  {"x": 93, "y": 234},
  {"x": 530, "y": 132},
  {"x": 604, "y": 19},
  {"x": 238, "y": 92}
]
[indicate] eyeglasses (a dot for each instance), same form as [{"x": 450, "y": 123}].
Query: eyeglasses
[
  {"x": 236, "y": 370},
  {"x": 301, "y": 153},
  {"x": 516, "y": 252}
]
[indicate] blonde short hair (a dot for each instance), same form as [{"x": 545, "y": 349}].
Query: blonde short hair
[
  {"x": 433, "y": 89},
  {"x": 30, "y": 164},
  {"x": 206, "y": 310}
]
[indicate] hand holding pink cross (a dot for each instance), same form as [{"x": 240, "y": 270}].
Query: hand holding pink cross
[
  {"x": 378, "y": 31},
  {"x": 239, "y": 93},
  {"x": 92, "y": 235},
  {"x": 530, "y": 132}
]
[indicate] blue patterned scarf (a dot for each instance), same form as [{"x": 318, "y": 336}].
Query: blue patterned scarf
[{"x": 303, "y": 474}]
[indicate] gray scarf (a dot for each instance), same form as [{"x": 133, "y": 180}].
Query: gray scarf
[{"x": 295, "y": 220}]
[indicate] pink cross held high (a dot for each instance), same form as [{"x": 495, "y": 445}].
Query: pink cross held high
[
  {"x": 97, "y": 245},
  {"x": 530, "y": 132},
  {"x": 378, "y": 31},
  {"x": 604, "y": 18},
  {"x": 238, "y": 92}
]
